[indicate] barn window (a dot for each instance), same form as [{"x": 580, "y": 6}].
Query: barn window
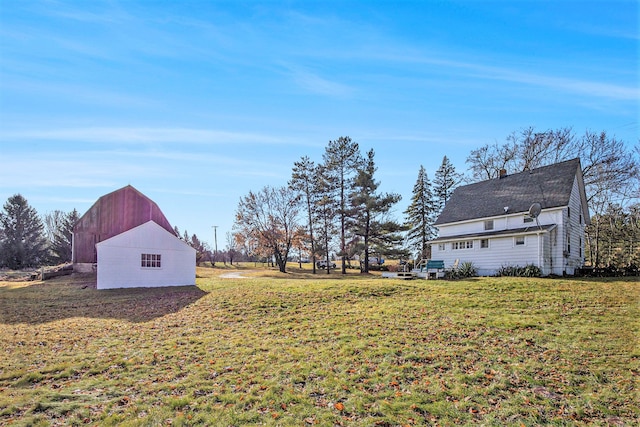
[{"x": 150, "y": 261}]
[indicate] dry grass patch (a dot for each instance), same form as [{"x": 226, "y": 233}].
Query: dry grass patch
[{"x": 296, "y": 349}]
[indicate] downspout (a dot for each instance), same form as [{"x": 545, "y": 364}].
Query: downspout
[{"x": 539, "y": 254}]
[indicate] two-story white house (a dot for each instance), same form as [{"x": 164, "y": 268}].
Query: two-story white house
[{"x": 489, "y": 223}]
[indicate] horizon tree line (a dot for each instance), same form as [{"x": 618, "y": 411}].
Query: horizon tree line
[{"x": 335, "y": 208}]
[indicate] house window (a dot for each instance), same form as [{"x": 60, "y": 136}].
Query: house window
[
  {"x": 468, "y": 244},
  {"x": 527, "y": 219},
  {"x": 569, "y": 211},
  {"x": 150, "y": 261},
  {"x": 519, "y": 240},
  {"x": 441, "y": 247},
  {"x": 484, "y": 243},
  {"x": 580, "y": 247},
  {"x": 568, "y": 243},
  {"x": 488, "y": 224}
]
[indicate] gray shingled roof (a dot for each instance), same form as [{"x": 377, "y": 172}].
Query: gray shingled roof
[{"x": 549, "y": 185}]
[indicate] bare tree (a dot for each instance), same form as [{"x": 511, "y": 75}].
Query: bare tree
[{"x": 270, "y": 217}]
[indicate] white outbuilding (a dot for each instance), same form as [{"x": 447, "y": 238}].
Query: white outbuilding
[{"x": 145, "y": 256}]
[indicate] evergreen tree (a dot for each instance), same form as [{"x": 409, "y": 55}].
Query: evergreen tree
[
  {"x": 324, "y": 212},
  {"x": 445, "y": 181},
  {"x": 420, "y": 215},
  {"x": 24, "y": 244},
  {"x": 303, "y": 181},
  {"x": 341, "y": 160},
  {"x": 370, "y": 208}
]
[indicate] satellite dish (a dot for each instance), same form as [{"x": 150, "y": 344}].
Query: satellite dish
[{"x": 535, "y": 210}]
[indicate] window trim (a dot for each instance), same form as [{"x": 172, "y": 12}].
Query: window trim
[
  {"x": 484, "y": 243},
  {"x": 150, "y": 261},
  {"x": 488, "y": 224},
  {"x": 461, "y": 244}
]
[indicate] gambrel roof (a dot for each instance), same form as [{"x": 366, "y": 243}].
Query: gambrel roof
[{"x": 549, "y": 185}]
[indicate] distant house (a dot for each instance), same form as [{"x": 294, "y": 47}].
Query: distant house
[
  {"x": 533, "y": 217},
  {"x": 128, "y": 220}
]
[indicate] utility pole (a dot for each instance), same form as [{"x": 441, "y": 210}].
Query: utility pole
[{"x": 215, "y": 240}]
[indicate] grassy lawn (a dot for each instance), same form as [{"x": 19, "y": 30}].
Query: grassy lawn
[{"x": 298, "y": 349}]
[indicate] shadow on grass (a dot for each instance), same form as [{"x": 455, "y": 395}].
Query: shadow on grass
[{"x": 77, "y": 296}]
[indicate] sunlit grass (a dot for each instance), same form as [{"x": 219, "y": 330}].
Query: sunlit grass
[{"x": 297, "y": 349}]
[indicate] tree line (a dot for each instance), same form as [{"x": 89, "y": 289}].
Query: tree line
[
  {"x": 28, "y": 240},
  {"x": 334, "y": 206}
]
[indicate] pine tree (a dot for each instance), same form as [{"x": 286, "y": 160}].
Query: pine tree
[
  {"x": 24, "y": 244},
  {"x": 303, "y": 181},
  {"x": 420, "y": 215},
  {"x": 369, "y": 210},
  {"x": 341, "y": 159},
  {"x": 324, "y": 212},
  {"x": 445, "y": 181}
]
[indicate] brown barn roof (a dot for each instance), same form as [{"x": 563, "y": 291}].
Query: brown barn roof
[{"x": 110, "y": 215}]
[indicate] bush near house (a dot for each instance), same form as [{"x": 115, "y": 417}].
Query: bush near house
[
  {"x": 529, "y": 270},
  {"x": 464, "y": 270}
]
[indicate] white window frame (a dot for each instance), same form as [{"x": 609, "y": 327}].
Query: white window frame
[
  {"x": 483, "y": 241},
  {"x": 518, "y": 239},
  {"x": 442, "y": 247},
  {"x": 462, "y": 244},
  {"x": 150, "y": 261},
  {"x": 488, "y": 224}
]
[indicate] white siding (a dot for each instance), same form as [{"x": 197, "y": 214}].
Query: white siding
[
  {"x": 502, "y": 251},
  {"x": 119, "y": 259},
  {"x": 571, "y": 235}
]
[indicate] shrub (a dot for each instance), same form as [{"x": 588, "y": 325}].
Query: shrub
[
  {"x": 465, "y": 269},
  {"x": 529, "y": 270}
]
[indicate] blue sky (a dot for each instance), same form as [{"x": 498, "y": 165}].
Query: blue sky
[{"x": 197, "y": 102}]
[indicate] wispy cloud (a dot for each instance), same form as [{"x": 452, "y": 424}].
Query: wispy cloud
[
  {"x": 126, "y": 135},
  {"x": 314, "y": 83}
]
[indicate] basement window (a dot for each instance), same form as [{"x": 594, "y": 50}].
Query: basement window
[{"x": 150, "y": 261}]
